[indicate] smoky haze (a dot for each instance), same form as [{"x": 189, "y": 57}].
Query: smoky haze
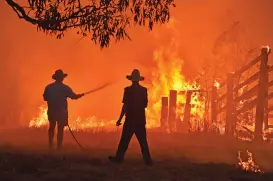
[{"x": 29, "y": 58}]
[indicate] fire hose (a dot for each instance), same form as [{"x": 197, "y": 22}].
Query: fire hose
[
  {"x": 78, "y": 143},
  {"x": 98, "y": 88},
  {"x": 88, "y": 92}
]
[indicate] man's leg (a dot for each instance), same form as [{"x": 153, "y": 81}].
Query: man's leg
[
  {"x": 142, "y": 139},
  {"x": 51, "y": 130},
  {"x": 60, "y": 136},
  {"x": 127, "y": 133}
]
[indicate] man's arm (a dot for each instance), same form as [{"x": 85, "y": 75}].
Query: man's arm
[
  {"x": 73, "y": 95},
  {"x": 123, "y": 110},
  {"x": 122, "y": 113},
  {"x": 45, "y": 95},
  {"x": 146, "y": 98}
]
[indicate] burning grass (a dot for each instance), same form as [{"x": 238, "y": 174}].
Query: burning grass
[
  {"x": 88, "y": 124},
  {"x": 250, "y": 164},
  {"x": 166, "y": 75}
]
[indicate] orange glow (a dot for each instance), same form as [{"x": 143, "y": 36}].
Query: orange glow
[
  {"x": 166, "y": 76},
  {"x": 250, "y": 164},
  {"x": 268, "y": 48},
  {"x": 216, "y": 84},
  {"x": 30, "y": 67},
  {"x": 78, "y": 124}
]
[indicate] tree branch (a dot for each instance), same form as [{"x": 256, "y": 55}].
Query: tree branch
[
  {"x": 104, "y": 21},
  {"x": 20, "y": 11}
]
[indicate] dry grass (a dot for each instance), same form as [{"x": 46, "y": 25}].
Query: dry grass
[{"x": 24, "y": 156}]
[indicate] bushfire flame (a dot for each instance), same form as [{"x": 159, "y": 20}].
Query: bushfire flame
[
  {"x": 216, "y": 84},
  {"x": 78, "y": 124},
  {"x": 248, "y": 165},
  {"x": 166, "y": 76}
]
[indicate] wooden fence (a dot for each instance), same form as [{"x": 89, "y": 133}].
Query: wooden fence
[{"x": 259, "y": 95}]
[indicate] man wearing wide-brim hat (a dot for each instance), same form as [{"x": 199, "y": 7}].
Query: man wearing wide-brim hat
[
  {"x": 56, "y": 95},
  {"x": 135, "y": 100}
]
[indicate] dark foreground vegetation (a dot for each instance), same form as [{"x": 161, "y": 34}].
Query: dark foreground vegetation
[{"x": 24, "y": 156}]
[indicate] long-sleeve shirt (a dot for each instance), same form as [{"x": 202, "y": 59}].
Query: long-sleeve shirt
[{"x": 135, "y": 100}]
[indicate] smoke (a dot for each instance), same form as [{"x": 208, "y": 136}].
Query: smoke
[{"x": 29, "y": 58}]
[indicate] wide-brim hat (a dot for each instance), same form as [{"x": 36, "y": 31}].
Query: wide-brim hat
[
  {"x": 135, "y": 76},
  {"x": 59, "y": 74}
]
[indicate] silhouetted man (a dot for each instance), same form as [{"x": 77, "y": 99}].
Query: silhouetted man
[
  {"x": 56, "y": 95},
  {"x": 135, "y": 100}
]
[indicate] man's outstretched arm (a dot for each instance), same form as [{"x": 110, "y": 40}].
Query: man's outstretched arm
[{"x": 73, "y": 95}]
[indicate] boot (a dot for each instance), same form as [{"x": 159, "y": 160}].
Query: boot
[
  {"x": 148, "y": 162},
  {"x": 114, "y": 159}
]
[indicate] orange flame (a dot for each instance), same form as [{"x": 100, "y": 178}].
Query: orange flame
[
  {"x": 216, "y": 84},
  {"x": 250, "y": 164},
  {"x": 166, "y": 76},
  {"x": 90, "y": 123}
]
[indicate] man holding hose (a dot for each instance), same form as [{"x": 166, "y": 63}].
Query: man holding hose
[{"x": 56, "y": 94}]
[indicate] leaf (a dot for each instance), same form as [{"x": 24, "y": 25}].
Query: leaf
[{"x": 58, "y": 17}]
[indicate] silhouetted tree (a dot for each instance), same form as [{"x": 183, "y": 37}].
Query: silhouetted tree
[{"x": 103, "y": 20}]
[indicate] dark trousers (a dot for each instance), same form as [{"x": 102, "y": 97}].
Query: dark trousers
[
  {"x": 60, "y": 134},
  {"x": 127, "y": 133}
]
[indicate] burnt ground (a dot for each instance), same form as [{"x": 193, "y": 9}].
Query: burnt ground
[{"x": 24, "y": 156}]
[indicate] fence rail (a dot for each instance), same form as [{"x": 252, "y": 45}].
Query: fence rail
[{"x": 256, "y": 97}]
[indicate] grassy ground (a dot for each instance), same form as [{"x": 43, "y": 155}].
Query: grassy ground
[{"x": 24, "y": 156}]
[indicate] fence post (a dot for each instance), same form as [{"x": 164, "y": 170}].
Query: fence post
[
  {"x": 230, "y": 105},
  {"x": 172, "y": 110},
  {"x": 164, "y": 112},
  {"x": 261, "y": 98},
  {"x": 266, "y": 102},
  {"x": 187, "y": 111},
  {"x": 214, "y": 97}
]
